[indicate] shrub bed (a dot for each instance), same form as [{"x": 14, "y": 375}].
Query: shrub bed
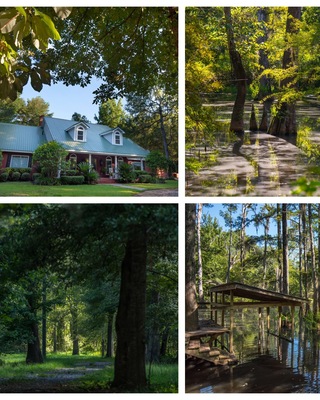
[
  {"x": 4, "y": 176},
  {"x": 72, "y": 180}
]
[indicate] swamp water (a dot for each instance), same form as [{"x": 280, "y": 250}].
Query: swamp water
[
  {"x": 255, "y": 163},
  {"x": 267, "y": 364}
]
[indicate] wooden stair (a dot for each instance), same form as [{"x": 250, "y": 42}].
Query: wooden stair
[
  {"x": 195, "y": 348},
  {"x": 104, "y": 180}
]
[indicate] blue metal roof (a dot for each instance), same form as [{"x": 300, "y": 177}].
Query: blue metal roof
[
  {"x": 95, "y": 142},
  {"x": 20, "y": 138}
]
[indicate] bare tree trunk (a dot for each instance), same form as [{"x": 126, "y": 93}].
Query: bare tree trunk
[
  {"x": 313, "y": 264},
  {"x": 285, "y": 255},
  {"x": 200, "y": 283},
  {"x": 243, "y": 234},
  {"x": 192, "y": 322},
  {"x": 129, "y": 366},
  {"x": 34, "y": 355},
  {"x": 266, "y": 233},
  {"x": 240, "y": 76},
  {"x": 284, "y": 123},
  {"x": 110, "y": 335},
  {"x": 279, "y": 264}
]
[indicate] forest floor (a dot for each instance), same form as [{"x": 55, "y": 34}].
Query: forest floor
[
  {"x": 257, "y": 165},
  {"x": 61, "y": 380}
]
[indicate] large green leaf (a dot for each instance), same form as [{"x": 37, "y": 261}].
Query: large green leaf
[{"x": 8, "y": 20}]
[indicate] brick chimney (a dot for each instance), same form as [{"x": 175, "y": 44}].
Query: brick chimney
[{"x": 41, "y": 120}]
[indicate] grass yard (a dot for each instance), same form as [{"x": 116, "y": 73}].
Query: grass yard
[
  {"x": 84, "y": 373},
  {"x": 26, "y": 189}
]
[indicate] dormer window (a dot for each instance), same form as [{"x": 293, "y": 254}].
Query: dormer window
[
  {"x": 117, "y": 138},
  {"x": 80, "y": 134}
]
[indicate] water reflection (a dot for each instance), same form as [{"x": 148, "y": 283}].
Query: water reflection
[
  {"x": 255, "y": 163},
  {"x": 267, "y": 364}
]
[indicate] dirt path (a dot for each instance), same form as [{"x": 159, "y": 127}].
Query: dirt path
[
  {"x": 262, "y": 165},
  {"x": 62, "y": 380}
]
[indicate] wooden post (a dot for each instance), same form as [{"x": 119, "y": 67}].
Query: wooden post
[
  {"x": 231, "y": 321},
  {"x": 223, "y": 311},
  {"x": 216, "y": 311},
  {"x": 279, "y": 319},
  {"x": 292, "y": 322},
  {"x": 268, "y": 319},
  {"x": 260, "y": 325},
  {"x": 222, "y": 319}
]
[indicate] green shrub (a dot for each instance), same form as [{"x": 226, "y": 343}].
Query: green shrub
[
  {"x": 15, "y": 176},
  {"x": 35, "y": 175},
  {"x": 4, "y": 176},
  {"x": 146, "y": 179},
  {"x": 70, "y": 172},
  {"x": 72, "y": 180},
  {"x": 25, "y": 176},
  {"x": 47, "y": 181},
  {"x": 90, "y": 175},
  {"x": 126, "y": 173}
]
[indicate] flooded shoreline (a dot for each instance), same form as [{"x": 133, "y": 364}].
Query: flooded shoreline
[{"x": 252, "y": 164}]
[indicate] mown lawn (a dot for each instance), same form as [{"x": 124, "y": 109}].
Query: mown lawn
[
  {"x": 21, "y": 189},
  {"x": 17, "y": 376}
]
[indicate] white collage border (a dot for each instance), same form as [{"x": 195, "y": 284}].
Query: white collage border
[{"x": 180, "y": 201}]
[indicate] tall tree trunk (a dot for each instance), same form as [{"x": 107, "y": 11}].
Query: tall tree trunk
[
  {"x": 285, "y": 251},
  {"x": 243, "y": 234},
  {"x": 129, "y": 366},
  {"x": 153, "y": 342},
  {"x": 34, "y": 355},
  {"x": 264, "y": 84},
  {"x": 266, "y": 233},
  {"x": 304, "y": 238},
  {"x": 279, "y": 240},
  {"x": 164, "y": 341},
  {"x": 314, "y": 272},
  {"x": 284, "y": 123},
  {"x": 192, "y": 322},
  {"x": 110, "y": 335},
  {"x": 44, "y": 318},
  {"x": 300, "y": 251},
  {"x": 74, "y": 331},
  {"x": 237, "y": 124},
  {"x": 163, "y": 133},
  {"x": 200, "y": 283}
]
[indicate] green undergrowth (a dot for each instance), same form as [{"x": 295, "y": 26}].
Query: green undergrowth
[{"x": 162, "y": 378}]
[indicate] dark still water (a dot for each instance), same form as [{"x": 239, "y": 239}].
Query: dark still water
[{"x": 267, "y": 364}]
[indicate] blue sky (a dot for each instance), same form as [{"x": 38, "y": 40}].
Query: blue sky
[
  {"x": 251, "y": 229},
  {"x": 65, "y": 100}
]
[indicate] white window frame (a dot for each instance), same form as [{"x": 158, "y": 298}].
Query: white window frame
[
  {"x": 20, "y": 157},
  {"x": 82, "y": 130},
  {"x": 117, "y": 136}
]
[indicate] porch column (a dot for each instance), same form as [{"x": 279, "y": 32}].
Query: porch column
[
  {"x": 90, "y": 159},
  {"x": 141, "y": 164}
]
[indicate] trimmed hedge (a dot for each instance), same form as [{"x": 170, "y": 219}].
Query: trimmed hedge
[
  {"x": 146, "y": 179},
  {"x": 15, "y": 176},
  {"x": 4, "y": 176},
  {"x": 26, "y": 176},
  {"x": 72, "y": 180}
]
